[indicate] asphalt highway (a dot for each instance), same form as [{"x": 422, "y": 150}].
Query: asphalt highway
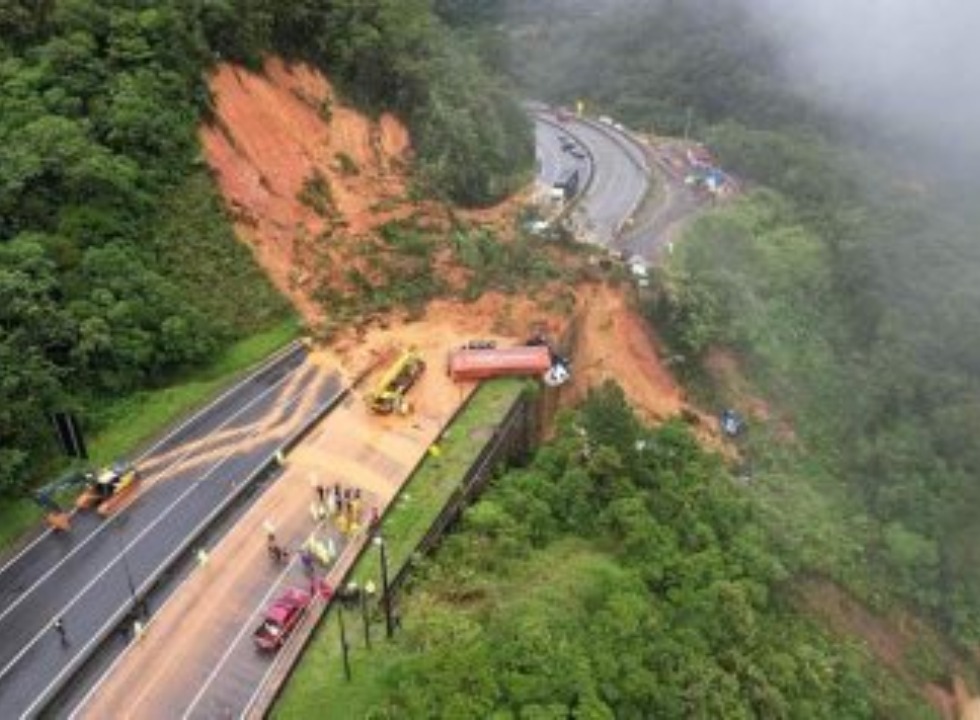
[
  {"x": 657, "y": 225},
  {"x": 620, "y": 179},
  {"x": 89, "y": 576},
  {"x": 241, "y": 670},
  {"x": 553, "y": 162},
  {"x": 26, "y": 568}
]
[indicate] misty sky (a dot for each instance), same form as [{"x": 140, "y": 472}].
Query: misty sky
[{"x": 914, "y": 64}]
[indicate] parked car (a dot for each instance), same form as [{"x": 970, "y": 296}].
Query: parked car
[
  {"x": 482, "y": 344},
  {"x": 280, "y": 619}
]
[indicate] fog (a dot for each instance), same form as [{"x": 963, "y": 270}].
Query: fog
[{"x": 912, "y": 66}]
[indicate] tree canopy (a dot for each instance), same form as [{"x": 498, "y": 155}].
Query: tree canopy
[
  {"x": 622, "y": 574},
  {"x": 844, "y": 281},
  {"x": 118, "y": 267}
]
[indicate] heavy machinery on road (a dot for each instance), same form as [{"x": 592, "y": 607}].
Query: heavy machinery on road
[
  {"x": 58, "y": 517},
  {"x": 389, "y": 394},
  {"x": 108, "y": 489},
  {"x": 105, "y": 490}
]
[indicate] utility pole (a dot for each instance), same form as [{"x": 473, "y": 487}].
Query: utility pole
[
  {"x": 344, "y": 648},
  {"x": 385, "y": 590},
  {"x": 125, "y": 565},
  {"x": 367, "y": 590}
]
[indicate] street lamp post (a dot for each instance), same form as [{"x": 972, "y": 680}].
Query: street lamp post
[
  {"x": 366, "y": 591},
  {"x": 344, "y": 648},
  {"x": 126, "y": 569},
  {"x": 385, "y": 589}
]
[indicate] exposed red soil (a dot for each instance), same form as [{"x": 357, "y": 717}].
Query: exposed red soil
[
  {"x": 614, "y": 343},
  {"x": 444, "y": 326},
  {"x": 271, "y": 135}
]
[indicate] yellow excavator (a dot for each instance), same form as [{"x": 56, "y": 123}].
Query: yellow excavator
[
  {"x": 108, "y": 489},
  {"x": 388, "y": 395},
  {"x": 105, "y": 491}
]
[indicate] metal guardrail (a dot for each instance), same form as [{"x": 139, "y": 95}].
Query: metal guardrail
[
  {"x": 263, "y": 704},
  {"x": 625, "y": 140},
  {"x": 629, "y": 145},
  {"x": 150, "y": 582}
]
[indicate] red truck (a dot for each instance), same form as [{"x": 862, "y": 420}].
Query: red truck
[
  {"x": 280, "y": 619},
  {"x": 480, "y": 364}
]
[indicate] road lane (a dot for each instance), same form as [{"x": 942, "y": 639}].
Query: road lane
[
  {"x": 35, "y": 609},
  {"x": 22, "y": 571},
  {"x": 86, "y": 552},
  {"x": 555, "y": 162},
  {"x": 95, "y": 585},
  {"x": 197, "y": 657},
  {"x": 619, "y": 179},
  {"x": 618, "y": 185}
]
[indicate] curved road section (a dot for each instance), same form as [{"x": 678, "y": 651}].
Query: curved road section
[
  {"x": 620, "y": 174},
  {"x": 93, "y": 576}
]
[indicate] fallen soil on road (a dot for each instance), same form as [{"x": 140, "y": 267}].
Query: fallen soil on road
[{"x": 274, "y": 131}]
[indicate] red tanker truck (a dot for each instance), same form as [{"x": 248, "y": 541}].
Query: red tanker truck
[{"x": 481, "y": 363}]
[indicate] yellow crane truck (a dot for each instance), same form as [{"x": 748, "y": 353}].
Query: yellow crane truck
[{"x": 388, "y": 395}]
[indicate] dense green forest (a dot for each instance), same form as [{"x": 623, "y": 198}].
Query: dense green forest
[
  {"x": 118, "y": 267},
  {"x": 621, "y": 574},
  {"x": 843, "y": 279}
]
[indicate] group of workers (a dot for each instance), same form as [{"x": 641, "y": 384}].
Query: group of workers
[{"x": 344, "y": 505}]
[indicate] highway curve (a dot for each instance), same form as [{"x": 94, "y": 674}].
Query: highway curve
[
  {"x": 620, "y": 177},
  {"x": 89, "y": 576},
  {"x": 616, "y": 209},
  {"x": 553, "y": 162},
  {"x": 657, "y": 224}
]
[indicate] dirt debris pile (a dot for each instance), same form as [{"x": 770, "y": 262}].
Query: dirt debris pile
[
  {"x": 310, "y": 184},
  {"x": 292, "y": 162}
]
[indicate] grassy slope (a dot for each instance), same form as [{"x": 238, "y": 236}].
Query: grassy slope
[
  {"x": 405, "y": 524},
  {"x": 131, "y": 421}
]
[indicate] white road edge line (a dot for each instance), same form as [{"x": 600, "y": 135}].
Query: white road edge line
[
  {"x": 156, "y": 521},
  {"x": 246, "y": 627},
  {"x": 251, "y": 375},
  {"x": 69, "y": 665},
  {"x": 54, "y": 568},
  {"x": 276, "y": 663}
]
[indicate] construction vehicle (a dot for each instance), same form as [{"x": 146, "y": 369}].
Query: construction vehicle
[
  {"x": 389, "y": 394},
  {"x": 108, "y": 489},
  {"x": 58, "y": 517},
  {"x": 471, "y": 364}
]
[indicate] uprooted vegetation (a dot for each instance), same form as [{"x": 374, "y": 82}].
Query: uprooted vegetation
[{"x": 326, "y": 204}]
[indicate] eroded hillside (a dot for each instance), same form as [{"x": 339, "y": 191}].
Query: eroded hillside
[
  {"x": 313, "y": 187},
  {"x": 294, "y": 164}
]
